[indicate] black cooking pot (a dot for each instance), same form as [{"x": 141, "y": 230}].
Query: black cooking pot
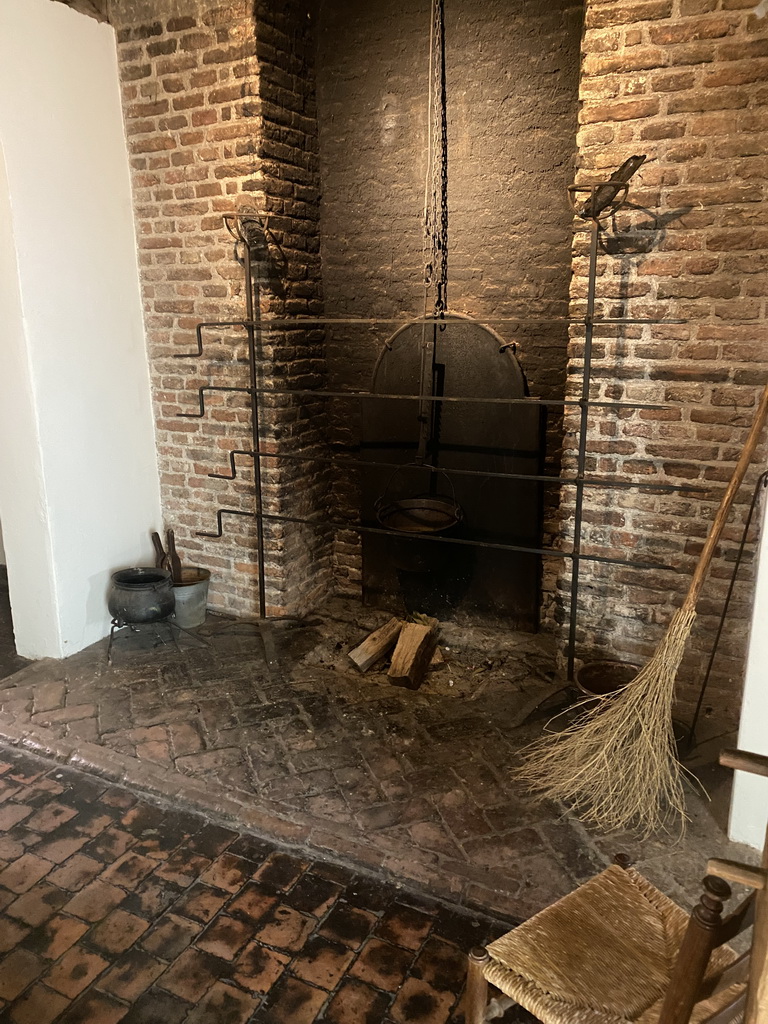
[{"x": 140, "y": 595}]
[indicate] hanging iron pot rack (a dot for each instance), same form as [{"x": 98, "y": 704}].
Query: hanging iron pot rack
[
  {"x": 249, "y": 230},
  {"x": 593, "y": 205}
]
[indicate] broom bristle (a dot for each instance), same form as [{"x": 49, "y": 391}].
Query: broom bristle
[{"x": 616, "y": 765}]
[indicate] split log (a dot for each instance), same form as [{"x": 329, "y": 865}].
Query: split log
[
  {"x": 376, "y": 645},
  {"x": 411, "y": 657},
  {"x": 438, "y": 660}
]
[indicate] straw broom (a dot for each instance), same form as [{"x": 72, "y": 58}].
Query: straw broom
[{"x": 616, "y": 765}]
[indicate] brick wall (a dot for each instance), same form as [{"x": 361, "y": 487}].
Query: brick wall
[
  {"x": 685, "y": 82},
  {"x": 512, "y": 80},
  {"x": 219, "y": 111},
  {"x": 219, "y": 115}
]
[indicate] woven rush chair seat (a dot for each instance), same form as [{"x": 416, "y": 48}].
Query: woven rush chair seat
[{"x": 601, "y": 955}]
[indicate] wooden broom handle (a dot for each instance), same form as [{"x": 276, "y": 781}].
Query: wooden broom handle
[{"x": 725, "y": 505}]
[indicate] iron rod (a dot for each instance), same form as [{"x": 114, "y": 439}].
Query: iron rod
[
  {"x": 333, "y": 524},
  {"x": 255, "y": 429},
  {"x": 586, "y": 380},
  {"x": 537, "y": 478},
  {"x": 296, "y": 322},
  {"x": 322, "y": 393},
  {"x": 762, "y": 483}
]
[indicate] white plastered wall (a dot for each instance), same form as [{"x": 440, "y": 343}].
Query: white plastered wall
[
  {"x": 79, "y": 488},
  {"x": 749, "y": 803}
]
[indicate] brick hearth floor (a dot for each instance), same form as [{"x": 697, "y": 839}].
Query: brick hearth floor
[
  {"x": 115, "y": 909},
  {"x": 415, "y": 786}
]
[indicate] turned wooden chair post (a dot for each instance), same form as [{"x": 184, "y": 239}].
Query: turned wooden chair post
[
  {"x": 756, "y": 1011},
  {"x": 701, "y": 937},
  {"x": 476, "y": 998}
]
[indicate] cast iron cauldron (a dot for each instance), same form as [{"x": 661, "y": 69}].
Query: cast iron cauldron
[{"x": 140, "y": 595}]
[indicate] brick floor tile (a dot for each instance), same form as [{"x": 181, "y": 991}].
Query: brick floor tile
[
  {"x": 182, "y": 867},
  {"x": 132, "y": 974},
  {"x": 26, "y": 773},
  {"x": 141, "y": 817},
  {"x": 157, "y": 1007},
  {"x": 368, "y": 894},
  {"x": 117, "y": 932},
  {"x": 253, "y": 903},
  {"x": 24, "y": 872},
  {"x": 75, "y": 971},
  {"x": 313, "y": 895},
  {"x": 94, "y": 1008},
  {"x": 151, "y": 897},
  {"x": 348, "y": 925},
  {"x": 228, "y": 872},
  {"x": 40, "y": 793},
  {"x": 382, "y": 964},
  {"x": 201, "y": 902},
  {"x": 160, "y": 845},
  {"x": 225, "y": 937},
  {"x": 95, "y": 901},
  {"x": 286, "y": 928},
  {"x": 50, "y": 817},
  {"x": 49, "y": 696},
  {"x": 40, "y": 1005},
  {"x": 185, "y": 738},
  {"x": 355, "y": 1002},
  {"x": 281, "y": 870},
  {"x": 322, "y": 962},
  {"x": 223, "y": 1003},
  {"x": 258, "y": 967},
  {"x": 87, "y": 789},
  {"x": 11, "y": 934},
  {"x": 12, "y": 814},
  {"x": 212, "y": 840},
  {"x": 38, "y": 904},
  {"x": 171, "y": 935},
  {"x": 458, "y": 928},
  {"x": 119, "y": 798},
  {"x": 251, "y": 847},
  {"x": 190, "y": 976},
  {"x": 91, "y": 823},
  {"x": 56, "y": 936},
  {"x": 110, "y": 844},
  {"x": 8, "y": 790},
  {"x": 129, "y": 870},
  {"x": 441, "y": 965},
  {"x": 58, "y": 850},
  {"x": 294, "y": 1002},
  {"x": 18, "y": 970},
  {"x": 24, "y": 836},
  {"x": 76, "y": 872},
  {"x": 11, "y": 848},
  {"x": 405, "y": 926},
  {"x": 418, "y": 1003}
]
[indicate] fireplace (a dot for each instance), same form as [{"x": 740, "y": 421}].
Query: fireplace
[{"x": 315, "y": 116}]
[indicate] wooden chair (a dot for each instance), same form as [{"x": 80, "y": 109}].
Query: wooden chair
[{"x": 618, "y": 951}]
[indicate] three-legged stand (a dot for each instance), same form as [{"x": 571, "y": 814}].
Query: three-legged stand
[{"x": 134, "y": 628}]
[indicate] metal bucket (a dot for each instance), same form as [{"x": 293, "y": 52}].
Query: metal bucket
[
  {"x": 191, "y": 597},
  {"x": 602, "y": 678}
]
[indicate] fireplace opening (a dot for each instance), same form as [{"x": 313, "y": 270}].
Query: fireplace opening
[
  {"x": 456, "y": 473},
  {"x": 510, "y": 89}
]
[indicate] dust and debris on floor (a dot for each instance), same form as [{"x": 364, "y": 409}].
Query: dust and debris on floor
[{"x": 476, "y": 659}]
